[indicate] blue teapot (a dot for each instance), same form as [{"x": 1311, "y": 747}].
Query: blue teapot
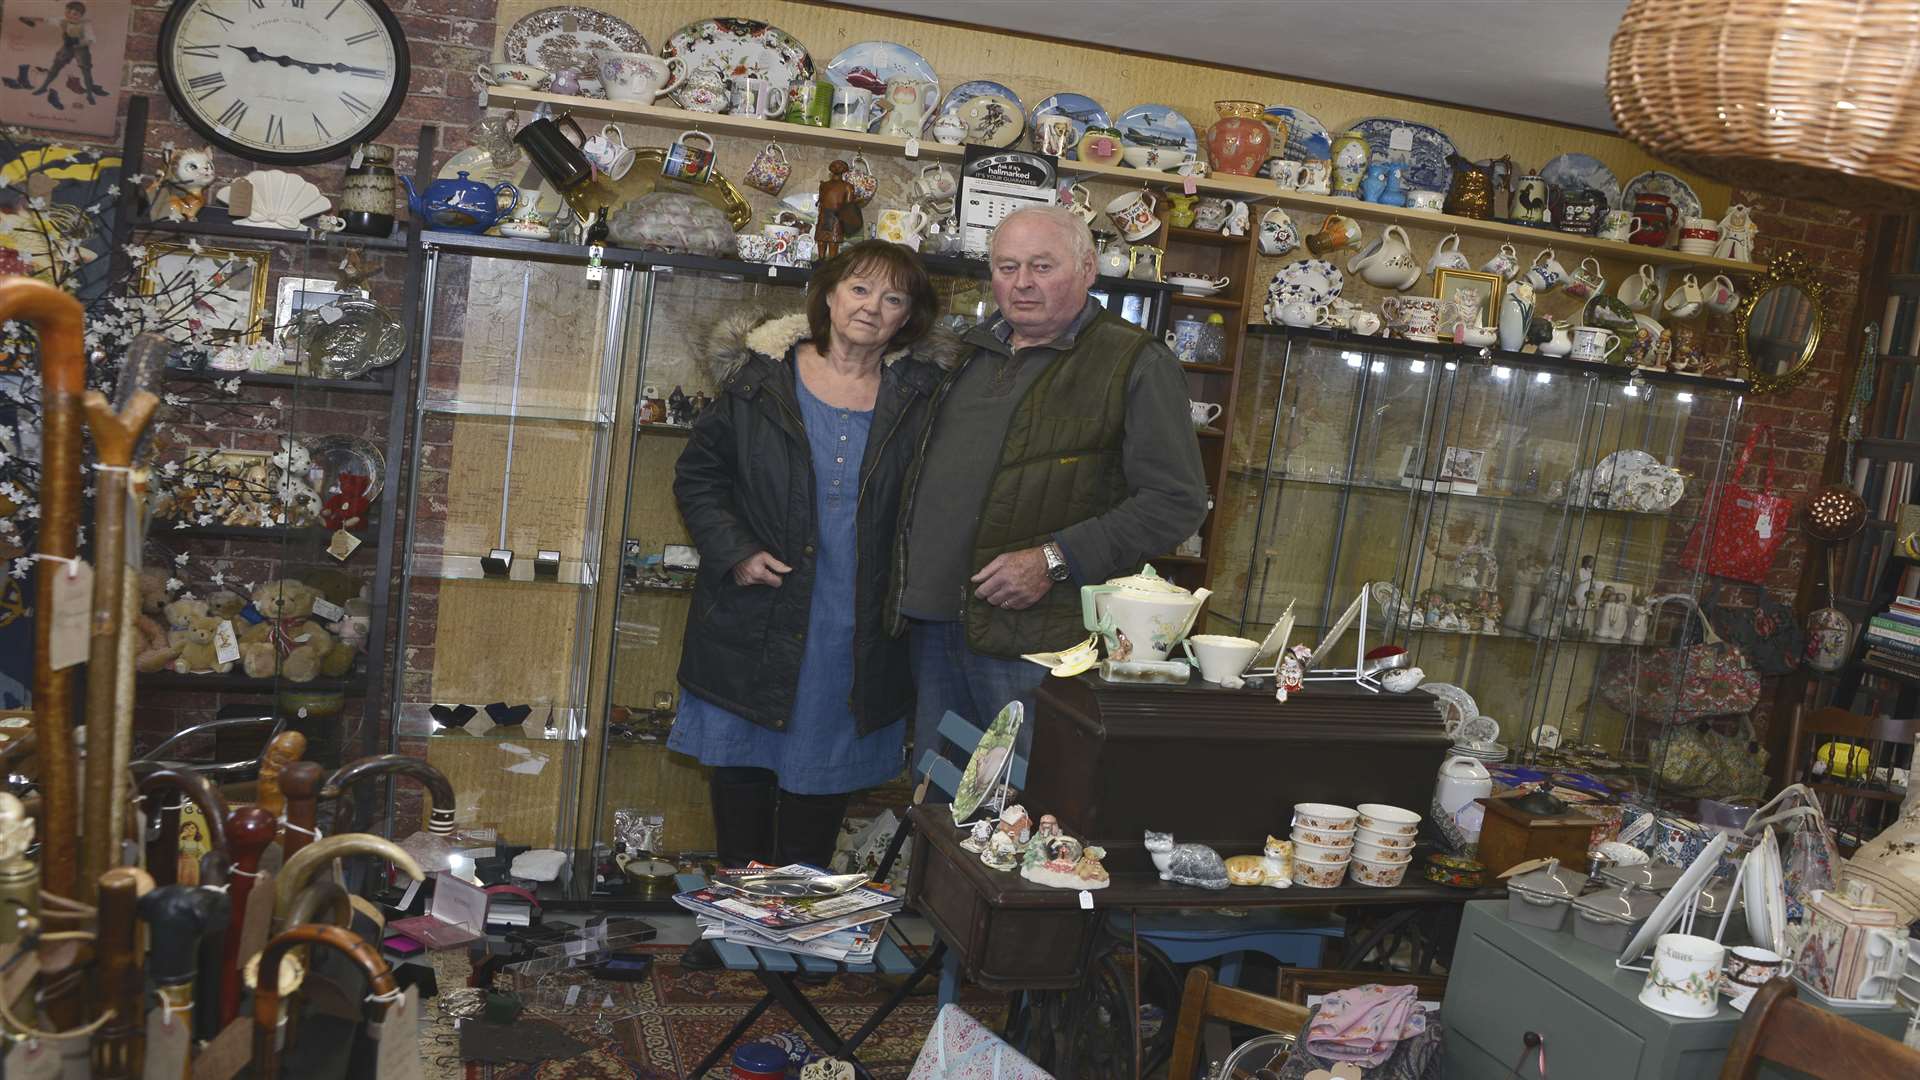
[{"x": 461, "y": 205}]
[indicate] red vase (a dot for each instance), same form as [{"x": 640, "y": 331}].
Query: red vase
[{"x": 1238, "y": 142}]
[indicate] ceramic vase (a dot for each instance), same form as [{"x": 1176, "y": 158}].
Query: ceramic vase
[
  {"x": 1238, "y": 142},
  {"x": 366, "y": 198},
  {"x": 1350, "y": 155}
]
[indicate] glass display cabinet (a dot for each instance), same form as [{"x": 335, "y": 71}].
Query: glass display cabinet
[{"x": 1511, "y": 517}]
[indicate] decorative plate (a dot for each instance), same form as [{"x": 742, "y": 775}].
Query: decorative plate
[
  {"x": 566, "y": 36},
  {"x": 1157, "y": 125},
  {"x": 1546, "y": 737},
  {"x": 1195, "y": 285},
  {"x": 1307, "y": 138},
  {"x": 1685, "y": 201},
  {"x": 337, "y": 454},
  {"x": 1081, "y": 109},
  {"x": 740, "y": 47},
  {"x": 1275, "y": 641},
  {"x": 1458, "y": 706},
  {"x": 1583, "y": 171},
  {"x": 645, "y": 177},
  {"x": 1431, "y": 146},
  {"x": 1763, "y": 891},
  {"x": 868, "y": 66},
  {"x": 1316, "y": 281},
  {"x": 348, "y": 338},
  {"x": 1480, "y": 733},
  {"x": 1677, "y": 897},
  {"x": 999, "y": 127},
  {"x": 987, "y": 763}
]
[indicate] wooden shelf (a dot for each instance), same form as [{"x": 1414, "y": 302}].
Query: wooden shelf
[
  {"x": 1209, "y": 433},
  {"x": 1199, "y": 236},
  {"x": 1254, "y": 188},
  {"x": 304, "y": 382},
  {"x": 1217, "y": 303},
  {"x": 1209, "y": 369}
]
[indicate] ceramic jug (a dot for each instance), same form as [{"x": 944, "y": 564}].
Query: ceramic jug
[
  {"x": 1181, "y": 214},
  {"x": 1474, "y": 185},
  {"x": 1462, "y": 780},
  {"x": 1388, "y": 262}
]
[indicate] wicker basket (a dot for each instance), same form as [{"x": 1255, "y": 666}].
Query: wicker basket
[{"x": 1812, "y": 99}]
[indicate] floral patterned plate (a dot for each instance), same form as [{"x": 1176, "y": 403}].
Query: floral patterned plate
[
  {"x": 566, "y": 36},
  {"x": 740, "y": 47},
  {"x": 1686, "y": 202},
  {"x": 1316, "y": 281}
]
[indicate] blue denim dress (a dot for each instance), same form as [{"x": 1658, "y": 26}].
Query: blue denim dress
[{"x": 819, "y": 753}]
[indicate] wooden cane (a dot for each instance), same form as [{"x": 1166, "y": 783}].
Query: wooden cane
[
  {"x": 109, "y": 690},
  {"x": 439, "y": 788},
  {"x": 249, "y": 830},
  {"x": 284, "y": 750},
  {"x": 119, "y": 983},
  {"x": 298, "y": 870},
  {"x": 58, "y": 320},
  {"x": 177, "y": 916},
  {"x": 300, "y": 786},
  {"x": 266, "y": 994},
  {"x": 155, "y": 781}
]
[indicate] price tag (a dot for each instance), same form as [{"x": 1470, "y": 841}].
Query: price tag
[
  {"x": 226, "y": 645},
  {"x": 72, "y": 612},
  {"x": 573, "y": 993},
  {"x": 169, "y": 1039},
  {"x": 33, "y": 1059},
  {"x": 1086, "y": 900},
  {"x": 1400, "y": 139},
  {"x": 913, "y": 147},
  {"x": 1763, "y": 526},
  {"x": 1187, "y": 186},
  {"x": 399, "y": 1056},
  {"x": 773, "y": 271},
  {"x": 342, "y": 545},
  {"x": 328, "y": 610}
]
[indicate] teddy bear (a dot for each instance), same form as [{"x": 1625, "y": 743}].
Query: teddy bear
[
  {"x": 153, "y": 590},
  {"x": 155, "y": 652},
  {"x": 181, "y": 615},
  {"x": 196, "y": 648},
  {"x": 225, "y": 604}
]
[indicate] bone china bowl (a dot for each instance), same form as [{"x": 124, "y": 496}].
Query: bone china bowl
[
  {"x": 1315, "y": 815},
  {"x": 1381, "y": 818}
]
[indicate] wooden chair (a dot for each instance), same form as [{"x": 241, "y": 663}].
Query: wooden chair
[
  {"x": 1857, "y": 807},
  {"x": 1784, "y": 1030},
  {"x": 1204, "y": 1001}
]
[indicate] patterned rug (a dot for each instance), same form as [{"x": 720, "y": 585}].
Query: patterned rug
[{"x": 657, "y": 1028}]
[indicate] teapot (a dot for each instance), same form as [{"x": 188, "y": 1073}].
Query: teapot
[
  {"x": 636, "y": 76},
  {"x": 1142, "y": 616},
  {"x": 704, "y": 89},
  {"x": 937, "y": 182},
  {"x": 1471, "y": 194},
  {"x": 461, "y": 205}
]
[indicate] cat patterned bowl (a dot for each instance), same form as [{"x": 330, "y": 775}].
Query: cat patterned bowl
[
  {"x": 1380, "y": 875},
  {"x": 1317, "y": 875},
  {"x": 1384, "y": 840},
  {"x": 1381, "y": 818},
  {"x": 1307, "y": 834},
  {"x": 1318, "y": 815}
]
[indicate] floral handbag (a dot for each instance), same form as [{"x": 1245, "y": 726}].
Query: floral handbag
[
  {"x": 1745, "y": 527},
  {"x": 1809, "y": 858},
  {"x": 960, "y": 1048},
  {"x": 1678, "y": 683},
  {"x": 1764, "y": 629}
]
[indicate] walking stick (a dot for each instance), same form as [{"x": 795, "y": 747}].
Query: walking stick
[{"x": 57, "y": 319}]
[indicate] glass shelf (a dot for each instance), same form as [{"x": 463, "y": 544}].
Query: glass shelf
[
  {"x": 507, "y": 409},
  {"x": 573, "y": 573},
  {"x": 417, "y": 722}
]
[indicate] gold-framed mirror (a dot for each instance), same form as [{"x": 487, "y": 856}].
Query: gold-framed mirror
[{"x": 1779, "y": 323}]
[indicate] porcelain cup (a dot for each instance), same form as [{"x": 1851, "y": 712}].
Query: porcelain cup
[
  {"x": 851, "y": 106},
  {"x": 1593, "y": 343},
  {"x": 1056, "y": 134},
  {"x": 751, "y": 247},
  {"x": 635, "y": 76},
  {"x": 1080, "y": 201},
  {"x": 810, "y": 103},
  {"x": 751, "y": 95},
  {"x": 1617, "y": 226},
  {"x": 609, "y": 152},
  {"x": 936, "y": 182},
  {"x": 1685, "y": 301},
  {"x": 1218, "y": 656},
  {"x": 1447, "y": 255},
  {"x": 1316, "y": 178},
  {"x": 769, "y": 170},
  {"x": 520, "y": 76},
  {"x": 1416, "y": 317},
  {"x": 1639, "y": 291},
  {"x": 901, "y": 226},
  {"x": 1699, "y": 235},
  {"x": 781, "y": 239},
  {"x": 1506, "y": 263},
  {"x": 1586, "y": 282},
  {"x": 1285, "y": 173},
  {"x": 1546, "y": 274},
  {"x": 1203, "y": 412},
  {"x": 685, "y": 161},
  {"x": 1133, "y": 214},
  {"x": 1752, "y": 967},
  {"x": 1277, "y": 233},
  {"x": 1685, "y": 977},
  {"x": 1719, "y": 294}
]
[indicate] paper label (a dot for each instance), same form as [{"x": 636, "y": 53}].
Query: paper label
[
  {"x": 1400, "y": 138},
  {"x": 399, "y": 1034},
  {"x": 1086, "y": 900},
  {"x": 913, "y": 147},
  {"x": 33, "y": 1059},
  {"x": 226, "y": 646},
  {"x": 168, "y": 1041},
  {"x": 573, "y": 994},
  {"x": 1763, "y": 526},
  {"x": 72, "y": 613},
  {"x": 342, "y": 544},
  {"x": 227, "y": 1053},
  {"x": 239, "y": 196},
  {"x": 406, "y": 898},
  {"x": 1188, "y": 186},
  {"x": 328, "y": 610}
]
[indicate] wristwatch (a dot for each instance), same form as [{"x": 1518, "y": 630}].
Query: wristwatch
[{"x": 1056, "y": 561}]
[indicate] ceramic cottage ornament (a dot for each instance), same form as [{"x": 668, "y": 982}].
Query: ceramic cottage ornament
[{"x": 1186, "y": 864}]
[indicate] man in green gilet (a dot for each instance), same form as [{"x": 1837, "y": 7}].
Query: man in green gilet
[{"x": 1062, "y": 453}]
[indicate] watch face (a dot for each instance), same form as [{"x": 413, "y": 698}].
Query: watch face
[{"x": 285, "y": 81}]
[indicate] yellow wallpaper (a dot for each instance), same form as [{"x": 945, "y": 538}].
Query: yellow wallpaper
[{"x": 1035, "y": 69}]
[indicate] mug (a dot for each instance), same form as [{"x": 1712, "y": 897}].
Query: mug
[
  {"x": 901, "y": 226},
  {"x": 684, "y": 161},
  {"x": 1546, "y": 273},
  {"x": 609, "y": 152},
  {"x": 751, "y": 246},
  {"x": 1685, "y": 977},
  {"x": 1285, "y": 173},
  {"x": 1316, "y": 178},
  {"x": 1506, "y": 263},
  {"x": 1336, "y": 232},
  {"x": 769, "y": 170},
  {"x": 1530, "y": 203},
  {"x": 1699, "y": 235},
  {"x": 810, "y": 102},
  {"x": 864, "y": 180},
  {"x": 1133, "y": 214},
  {"x": 1447, "y": 256},
  {"x": 1184, "y": 339},
  {"x": 1080, "y": 201},
  {"x": 752, "y": 95},
  {"x": 1719, "y": 294},
  {"x": 1203, "y": 412},
  {"x": 1593, "y": 343},
  {"x": 1426, "y": 200},
  {"x": 1277, "y": 234},
  {"x": 850, "y": 108},
  {"x": 1685, "y": 301},
  {"x": 1617, "y": 226},
  {"x": 1586, "y": 282},
  {"x": 556, "y": 156},
  {"x": 780, "y": 238},
  {"x": 1638, "y": 291},
  {"x": 1752, "y": 967},
  {"x": 1056, "y": 134},
  {"x": 937, "y": 182}
]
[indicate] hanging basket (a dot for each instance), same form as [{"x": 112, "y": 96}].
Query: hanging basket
[{"x": 1811, "y": 99}]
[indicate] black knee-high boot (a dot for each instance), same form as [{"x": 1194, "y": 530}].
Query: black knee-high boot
[
  {"x": 809, "y": 827},
  {"x": 744, "y": 801}
]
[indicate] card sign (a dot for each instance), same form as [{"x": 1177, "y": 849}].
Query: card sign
[
  {"x": 994, "y": 183},
  {"x": 72, "y": 612},
  {"x": 399, "y": 1032},
  {"x": 169, "y": 1040}
]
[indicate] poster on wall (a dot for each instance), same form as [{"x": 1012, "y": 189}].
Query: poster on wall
[
  {"x": 60, "y": 64},
  {"x": 995, "y": 183},
  {"x": 57, "y": 207}
]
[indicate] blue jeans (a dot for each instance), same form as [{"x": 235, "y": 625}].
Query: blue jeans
[{"x": 950, "y": 677}]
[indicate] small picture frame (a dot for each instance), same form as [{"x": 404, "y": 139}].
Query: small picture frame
[
  {"x": 1485, "y": 287},
  {"x": 298, "y": 294},
  {"x": 221, "y": 291},
  {"x": 1463, "y": 469}
]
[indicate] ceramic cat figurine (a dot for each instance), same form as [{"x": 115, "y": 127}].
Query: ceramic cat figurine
[
  {"x": 179, "y": 192},
  {"x": 1273, "y": 868},
  {"x": 1186, "y": 864}
]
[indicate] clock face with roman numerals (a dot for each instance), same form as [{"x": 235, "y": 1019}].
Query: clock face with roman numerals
[{"x": 284, "y": 81}]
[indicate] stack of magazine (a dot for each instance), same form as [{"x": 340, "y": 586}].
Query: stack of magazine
[{"x": 844, "y": 928}]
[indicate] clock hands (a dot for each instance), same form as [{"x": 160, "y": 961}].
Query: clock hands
[{"x": 258, "y": 56}]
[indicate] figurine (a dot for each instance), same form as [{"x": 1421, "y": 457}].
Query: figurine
[
  {"x": 1237, "y": 220},
  {"x": 1293, "y": 671},
  {"x": 1612, "y": 624},
  {"x": 1048, "y": 828},
  {"x": 1002, "y": 853},
  {"x": 1582, "y": 583},
  {"x": 1540, "y": 620},
  {"x": 1088, "y": 870},
  {"x": 16, "y": 827},
  {"x": 977, "y": 840},
  {"x": 1639, "y": 621},
  {"x": 1016, "y": 824},
  {"x": 1401, "y": 680},
  {"x": 1374, "y": 184},
  {"x": 902, "y": 120},
  {"x": 1736, "y": 234},
  {"x": 1273, "y": 868},
  {"x": 839, "y": 211},
  {"x": 1054, "y": 861},
  {"x": 179, "y": 191},
  {"x": 679, "y": 411},
  {"x": 1186, "y": 864},
  {"x": 1396, "y": 191}
]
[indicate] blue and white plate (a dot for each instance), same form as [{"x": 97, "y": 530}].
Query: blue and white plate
[
  {"x": 1583, "y": 171},
  {"x": 1686, "y": 202},
  {"x": 1316, "y": 281},
  {"x": 1081, "y": 109},
  {"x": 1002, "y": 127},
  {"x": 870, "y": 64},
  {"x": 1431, "y": 147},
  {"x": 1157, "y": 125},
  {"x": 1307, "y": 138}
]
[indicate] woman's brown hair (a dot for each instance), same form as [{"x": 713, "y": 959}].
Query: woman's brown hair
[{"x": 896, "y": 264}]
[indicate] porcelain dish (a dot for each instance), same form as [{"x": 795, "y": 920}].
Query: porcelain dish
[
  {"x": 1391, "y": 820},
  {"x": 1316, "y": 281},
  {"x": 1079, "y": 108},
  {"x": 740, "y": 47},
  {"x": 1324, "y": 815},
  {"x": 1157, "y": 125},
  {"x": 565, "y": 37},
  {"x": 1194, "y": 285},
  {"x": 1686, "y": 203},
  {"x": 1001, "y": 126},
  {"x": 1312, "y": 834},
  {"x": 1457, "y": 706},
  {"x": 1307, "y": 138},
  {"x": 1318, "y": 875},
  {"x": 1583, "y": 171},
  {"x": 1324, "y": 853},
  {"x": 1384, "y": 841},
  {"x": 1431, "y": 148},
  {"x": 1668, "y": 912},
  {"x": 1376, "y": 853},
  {"x": 1764, "y": 893},
  {"x": 1380, "y": 875}
]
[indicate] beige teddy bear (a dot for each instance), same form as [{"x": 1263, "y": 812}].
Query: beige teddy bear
[
  {"x": 196, "y": 647},
  {"x": 181, "y": 615}
]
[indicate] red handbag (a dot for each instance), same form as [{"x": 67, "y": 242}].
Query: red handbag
[{"x": 1745, "y": 528}]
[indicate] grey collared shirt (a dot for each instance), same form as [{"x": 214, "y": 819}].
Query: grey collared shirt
[{"x": 1160, "y": 456}]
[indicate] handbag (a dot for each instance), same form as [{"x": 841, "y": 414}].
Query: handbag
[
  {"x": 1695, "y": 759},
  {"x": 1810, "y": 854},
  {"x": 1678, "y": 683},
  {"x": 1765, "y": 631},
  {"x": 1746, "y": 527},
  {"x": 961, "y": 1048}
]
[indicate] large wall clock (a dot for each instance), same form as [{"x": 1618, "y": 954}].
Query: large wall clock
[{"x": 284, "y": 81}]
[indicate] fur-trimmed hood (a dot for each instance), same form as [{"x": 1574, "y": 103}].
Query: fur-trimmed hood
[{"x": 771, "y": 333}]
